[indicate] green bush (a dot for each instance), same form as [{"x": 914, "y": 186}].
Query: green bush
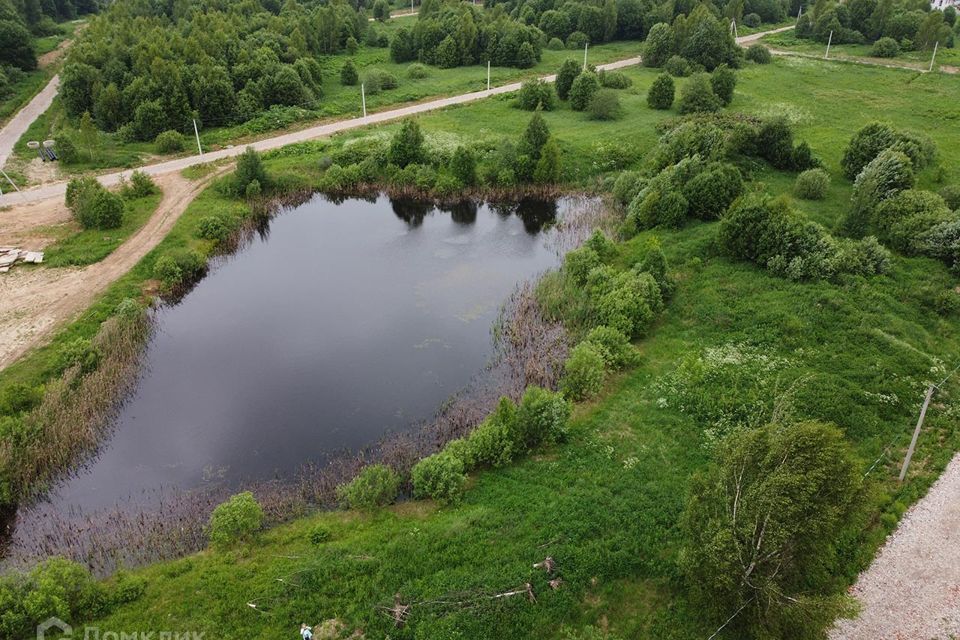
[
  {"x": 677, "y": 66},
  {"x": 319, "y": 534},
  {"x": 249, "y": 169},
  {"x": 217, "y": 228},
  {"x": 126, "y": 588},
  {"x": 568, "y": 72},
  {"x": 549, "y": 168},
  {"x": 577, "y": 40},
  {"x": 659, "y": 45},
  {"x": 555, "y": 44},
  {"x": 440, "y": 477},
  {"x": 583, "y": 372},
  {"x": 140, "y": 186},
  {"x": 627, "y": 185},
  {"x": 775, "y": 142},
  {"x": 542, "y": 416},
  {"x": 603, "y": 246},
  {"x": 376, "y": 485},
  {"x": 613, "y": 346},
  {"x": 951, "y": 194},
  {"x": 18, "y": 398},
  {"x": 885, "y": 48},
  {"x": 578, "y": 264},
  {"x": 661, "y": 92},
  {"x": 236, "y": 520},
  {"x": 614, "y": 80},
  {"x": 179, "y": 267},
  {"x": 627, "y": 301},
  {"x": 79, "y": 352},
  {"x": 752, "y": 20},
  {"x": 904, "y": 219},
  {"x": 759, "y": 54},
  {"x": 605, "y": 105},
  {"x": 348, "y": 74},
  {"x": 709, "y": 193},
  {"x": 464, "y": 166},
  {"x": 492, "y": 442},
  {"x": 418, "y": 71},
  {"x": 536, "y": 94},
  {"x": 406, "y": 146},
  {"x": 584, "y": 87},
  {"x": 885, "y": 176},
  {"x": 659, "y": 208},
  {"x": 376, "y": 80},
  {"x": 381, "y": 10},
  {"x": 696, "y": 95},
  {"x": 170, "y": 142},
  {"x": 723, "y": 80},
  {"x": 812, "y": 184},
  {"x": 66, "y": 148},
  {"x": 867, "y": 144}
]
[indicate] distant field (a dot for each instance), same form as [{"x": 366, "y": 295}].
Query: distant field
[{"x": 788, "y": 41}]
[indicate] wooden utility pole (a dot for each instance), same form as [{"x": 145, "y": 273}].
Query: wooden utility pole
[
  {"x": 829, "y": 42},
  {"x": 916, "y": 432}
]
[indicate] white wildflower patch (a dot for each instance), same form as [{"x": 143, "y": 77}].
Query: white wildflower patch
[
  {"x": 794, "y": 114},
  {"x": 630, "y": 462}
]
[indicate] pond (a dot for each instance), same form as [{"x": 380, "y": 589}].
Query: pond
[{"x": 339, "y": 323}]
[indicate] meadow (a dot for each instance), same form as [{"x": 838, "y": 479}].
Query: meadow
[{"x": 606, "y": 505}]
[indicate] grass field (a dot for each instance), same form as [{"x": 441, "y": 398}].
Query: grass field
[
  {"x": 790, "y": 42},
  {"x": 606, "y": 504}
]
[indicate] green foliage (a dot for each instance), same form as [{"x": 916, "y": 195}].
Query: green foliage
[
  {"x": 584, "y": 87},
  {"x": 464, "y": 166},
  {"x": 761, "y": 522},
  {"x": 320, "y": 534},
  {"x": 758, "y": 53},
  {"x": 678, "y": 67},
  {"x": 376, "y": 80},
  {"x": 603, "y": 246},
  {"x": 66, "y": 149},
  {"x": 660, "y": 95},
  {"x": 249, "y": 169},
  {"x": 886, "y": 175},
  {"x": 18, "y": 398},
  {"x": 381, "y": 10},
  {"x": 536, "y": 94},
  {"x": 659, "y": 45},
  {"x": 493, "y": 443},
  {"x": 92, "y": 205},
  {"x": 216, "y": 228},
  {"x": 236, "y": 520},
  {"x": 406, "y": 146},
  {"x": 417, "y": 71},
  {"x": 868, "y": 143},
  {"x": 549, "y": 169},
  {"x": 568, "y": 72},
  {"x": 583, "y": 372},
  {"x": 349, "y": 76},
  {"x": 605, "y": 105},
  {"x": 659, "y": 208},
  {"x": 79, "y": 353},
  {"x": 904, "y": 219},
  {"x": 170, "y": 142},
  {"x": 697, "y": 96},
  {"x": 542, "y": 416},
  {"x": 578, "y": 264},
  {"x": 376, "y": 485},
  {"x": 555, "y": 44},
  {"x": 614, "y": 347},
  {"x": 951, "y": 194},
  {"x": 812, "y": 184},
  {"x": 614, "y": 80},
  {"x": 140, "y": 186},
  {"x": 178, "y": 268},
  {"x": 885, "y": 48},
  {"x": 710, "y": 192},
  {"x": 440, "y": 477},
  {"x": 723, "y": 80}
]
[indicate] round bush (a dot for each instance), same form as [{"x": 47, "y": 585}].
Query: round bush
[
  {"x": 709, "y": 193},
  {"x": 578, "y": 264},
  {"x": 614, "y": 80},
  {"x": 348, "y": 74},
  {"x": 491, "y": 443},
  {"x": 582, "y": 91},
  {"x": 661, "y": 92},
  {"x": 583, "y": 372},
  {"x": 577, "y": 40},
  {"x": 812, "y": 184},
  {"x": 375, "y": 486},
  {"x": 541, "y": 417},
  {"x": 536, "y": 94},
  {"x": 697, "y": 95},
  {"x": 555, "y": 44},
  {"x": 677, "y": 66},
  {"x": 170, "y": 142},
  {"x": 440, "y": 477},
  {"x": 417, "y": 71},
  {"x": 613, "y": 345},
  {"x": 885, "y": 48},
  {"x": 215, "y": 228},
  {"x": 235, "y": 520},
  {"x": 605, "y": 105},
  {"x": 723, "y": 81},
  {"x": 759, "y": 54},
  {"x": 751, "y": 20}
]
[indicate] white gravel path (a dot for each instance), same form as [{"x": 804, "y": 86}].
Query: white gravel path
[{"x": 912, "y": 589}]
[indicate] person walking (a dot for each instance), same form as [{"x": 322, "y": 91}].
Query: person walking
[{"x": 306, "y": 633}]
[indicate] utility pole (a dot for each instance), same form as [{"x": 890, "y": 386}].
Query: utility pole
[
  {"x": 933, "y": 57},
  {"x": 585, "y": 45},
  {"x": 733, "y": 28},
  {"x": 488, "y": 75},
  {"x": 916, "y": 432},
  {"x": 12, "y": 183},
  {"x": 196, "y": 132},
  {"x": 800, "y": 12},
  {"x": 829, "y": 41},
  {"x": 363, "y": 99}
]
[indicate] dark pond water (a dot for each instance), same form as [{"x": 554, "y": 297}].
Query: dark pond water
[{"x": 339, "y": 324}]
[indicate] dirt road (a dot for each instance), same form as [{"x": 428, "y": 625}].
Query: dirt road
[
  {"x": 40, "y": 300},
  {"x": 19, "y": 123},
  {"x": 912, "y": 589}
]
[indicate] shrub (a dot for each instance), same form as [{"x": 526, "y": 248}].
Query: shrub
[
  {"x": 603, "y": 246},
  {"x": 348, "y": 74},
  {"x": 723, "y": 81},
  {"x": 627, "y": 301},
  {"x": 662, "y": 208},
  {"x": 677, "y": 67},
  {"x": 801, "y": 482},
  {"x": 709, "y": 193},
  {"x": 536, "y": 94},
  {"x": 759, "y": 54},
  {"x": 127, "y": 588},
  {"x": 319, "y": 534},
  {"x": 79, "y": 352},
  {"x": 904, "y": 218},
  {"x": 885, "y": 176},
  {"x": 235, "y": 520},
  {"x": 542, "y": 416},
  {"x": 584, "y": 87},
  {"x": 178, "y": 267},
  {"x": 627, "y": 185},
  {"x": 440, "y": 477},
  {"x": 249, "y": 169},
  {"x": 659, "y": 45},
  {"x": 802, "y": 158},
  {"x": 614, "y": 347},
  {"x": 752, "y": 20},
  {"x": 583, "y": 372},
  {"x": 568, "y": 72},
  {"x": 381, "y": 10},
  {"x": 464, "y": 166},
  {"x": 19, "y": 397},
  {"x": 555, "y": 44},
  {"x": 376, "y": 485},
  {"x": 614, "y": 80},
  {"x": 170, "y": 142},
  {"x": 867, "y": 143},
  {"x": 775, "y": 142},
  {"x": 66, "y": 148},
  {"x": 661, "y": 92},
  {"x": 492, "y": 442},
  {"x": 375, "y": 80},
  {"x": 812, "y": 184},
  {"x": 216, "y": 228},
  {"x": 605, "y": 105},
  {"x": 577, "y": 40},
  {"x": 140, "y": 186},
  {"x": 92, "y": 205},
  {"x": 406, "y": 146},
  {"x": 951, "y": 194},
  {"x": 417, "y": 71},
  {"x": 885, "y": 48},
  {"x": 578, "y": 264},
  {"x": 697, "y": 95},
  {"x": 549, "y": 168}
]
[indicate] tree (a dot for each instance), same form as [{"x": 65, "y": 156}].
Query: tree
[
  {"x": 77, "y": 82},
  {"x": 381, "y": 10},
  {"x": 348, "y": 74},
  {"x": 375, "y": 486},
  {"x": 697, "y": 95},
  {"x": 235, "y": 520},
  {"x": 659, "y": 45},
  {"x": 108, "y": 108},
  {"x": 549, "y": 168},
  {"x": 887, "y": 175},
  {"x": 760, "y": 524},
  {"x": 568, "y": 72},
  {"x": 89, "y": 137},
  {"x": 402, "y": 47},
  {"x": 661, "y": 92},
  {"x": 526, "y": 56},
  {"x": 583, "y": 90},
  {"x": 535, "y": 136},
  {"x": 249, "y": 170},
  {"x": 609, "y": 20},
  {"x": 723, "y": 81},
  {"x": 865, "y": 145},
  {"x": 463, "y": 165},
  {"x": 16, "y": 46},
  {"x": 406, "y": 147}
]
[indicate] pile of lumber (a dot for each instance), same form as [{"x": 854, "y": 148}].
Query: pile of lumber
[{"x": 10, "y": 256}]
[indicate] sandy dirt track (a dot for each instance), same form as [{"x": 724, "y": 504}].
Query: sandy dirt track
[
  {"x": 911, "y": 591},
  {"x": 38, "y": 300}
]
